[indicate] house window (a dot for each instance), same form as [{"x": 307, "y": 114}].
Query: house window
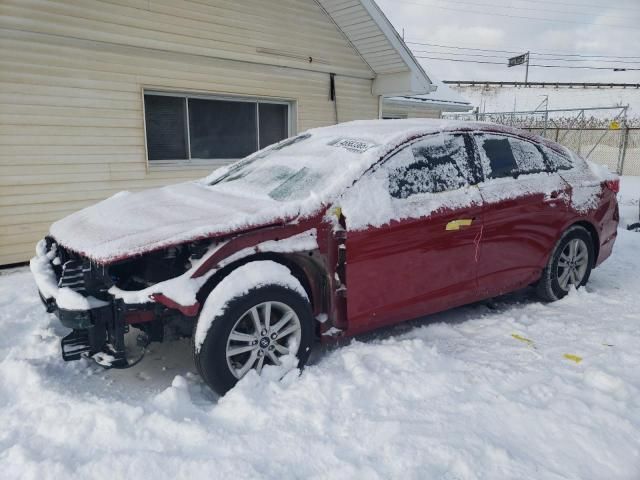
[
  {"x": 185, "y": 128},
  {"x": 166, "y": 127}
]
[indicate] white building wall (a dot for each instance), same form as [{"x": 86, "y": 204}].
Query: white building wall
[{"x": 72, "y": 73}]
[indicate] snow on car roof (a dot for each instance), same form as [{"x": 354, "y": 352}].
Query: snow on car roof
[
  {"x": 386, "y": 132},
  {"x": 392, "y": 132}
]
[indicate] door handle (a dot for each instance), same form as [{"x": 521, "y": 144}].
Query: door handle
[
  {"x": 553, "y": 198},
  {"x": 459, "y": 223}
]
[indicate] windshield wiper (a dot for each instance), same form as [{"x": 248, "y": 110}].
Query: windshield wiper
[{"x": 236, "y": 168}]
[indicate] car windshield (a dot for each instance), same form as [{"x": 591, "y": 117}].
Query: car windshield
[{"x": 290, "y": 170}]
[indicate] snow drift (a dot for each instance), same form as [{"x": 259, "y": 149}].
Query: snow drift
[{"x": 455, "y": 396}]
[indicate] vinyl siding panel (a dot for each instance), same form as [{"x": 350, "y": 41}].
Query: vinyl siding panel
[
  {"x": 224, "y": 29},
  {"x": 72, "y": 75}
]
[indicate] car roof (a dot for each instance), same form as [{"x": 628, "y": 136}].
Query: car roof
[{"x": 393, "y": 132}]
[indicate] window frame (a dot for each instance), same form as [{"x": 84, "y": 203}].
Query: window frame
[
  {"x": 477, "y": 147},
  {"x": 470, "y": 147},
  {"x": 189, "y": 162}
]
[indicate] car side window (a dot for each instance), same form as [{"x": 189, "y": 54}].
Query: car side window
[
  {"x": 556, "y": 160},
  {"x": 434, "y": 164},
  {"x": 504, "y": 156}
]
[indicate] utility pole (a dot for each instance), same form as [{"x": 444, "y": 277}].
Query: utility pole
[{"x": 526, "y": 72}]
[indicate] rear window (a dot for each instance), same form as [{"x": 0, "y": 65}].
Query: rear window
[
  {"x": 500, "y": 158},
  {"x": 508, "y": 156}
]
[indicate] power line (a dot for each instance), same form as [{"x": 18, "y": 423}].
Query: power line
[
  {"x": 529, "y": 9},
  {"x": 583, "y": 55},
  {"x": 589, "y": 60},
  {"x": 546, "y": 59},
  {"x": 460, "y": 54},
  {"x": 462, "y": 48},
  {"x": 463, "y": 61},
  {"x": 521, "y": 17},
  {"x": 582, "y": 5},
  {"x": 584, "y": 67},
  {"x": 519, "y": 51},
  {"x": 531, "y": 64}
]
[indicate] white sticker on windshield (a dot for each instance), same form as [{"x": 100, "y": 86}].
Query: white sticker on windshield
[{"x": 353, "y": 145}]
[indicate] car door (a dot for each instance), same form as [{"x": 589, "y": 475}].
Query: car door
[
  {"x": 525, "y": 206},
  {"x": 412, "y": 242}
]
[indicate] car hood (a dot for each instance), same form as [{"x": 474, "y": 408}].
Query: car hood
[{"x": 128, "y": 224}]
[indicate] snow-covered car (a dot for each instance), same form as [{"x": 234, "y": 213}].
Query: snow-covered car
[{"x": 330, "y": 233}]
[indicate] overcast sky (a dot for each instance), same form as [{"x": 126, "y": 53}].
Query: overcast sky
[{"x": 585, "y": 27}]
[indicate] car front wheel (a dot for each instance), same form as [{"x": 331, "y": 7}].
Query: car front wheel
[
  {"x": 255, "y": 329},
  {"x": 570, "y": 264}
]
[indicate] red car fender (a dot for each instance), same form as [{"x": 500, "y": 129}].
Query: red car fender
[
  {"x": 253, "y": 239},
  {"x": 584, "y": 221},
  {"x": 322, "y": 301}
]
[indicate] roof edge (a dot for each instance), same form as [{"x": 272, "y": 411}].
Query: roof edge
[
  {"x": 417, "y": 72},
  {"x": 412, "y": 81},
  {"x": 438, "y": 104}
]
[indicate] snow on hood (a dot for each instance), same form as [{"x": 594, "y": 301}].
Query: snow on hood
[
  {"x": 133, "y": 223},
  {"x": 329, "y": 159}
]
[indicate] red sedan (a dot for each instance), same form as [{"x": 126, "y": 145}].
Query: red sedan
[{"x": 333, "y": 232}]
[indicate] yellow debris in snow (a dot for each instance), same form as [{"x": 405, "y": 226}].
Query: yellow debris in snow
[
  {"x": 522, "y": 339},
  {"x": 573, "y": 358}
]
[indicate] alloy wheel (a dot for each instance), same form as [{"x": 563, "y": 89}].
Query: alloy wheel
[
  {"x": 263, "y": 334},
  {"x": 573, "y": 263}
]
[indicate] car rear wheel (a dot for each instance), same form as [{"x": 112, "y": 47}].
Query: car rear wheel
[
  {"x": 570, "y": 264},
  {"x": 256, "y": 329}
]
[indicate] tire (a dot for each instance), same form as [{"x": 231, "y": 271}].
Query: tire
[
  {"x": 563, "y": 269},
  {"x": 220, "y": 371}
]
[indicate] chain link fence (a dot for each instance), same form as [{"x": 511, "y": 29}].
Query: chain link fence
[
  {"x": 603, "y": 135},
  {"x": 618, "y": 149}
]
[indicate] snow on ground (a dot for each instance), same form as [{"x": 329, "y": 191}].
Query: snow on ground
[{"x": 492, "y": 390}]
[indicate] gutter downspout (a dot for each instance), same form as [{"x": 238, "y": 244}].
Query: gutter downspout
[{"x": 333, "y": 95}]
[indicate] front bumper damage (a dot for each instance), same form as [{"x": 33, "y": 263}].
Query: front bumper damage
[
  {"x": 98, "y": 326},
  {"x": 89, "y": 333},
  {"x": 98, "y": 333}
]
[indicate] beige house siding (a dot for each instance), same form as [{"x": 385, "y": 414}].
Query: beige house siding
[{"x": 72, "y": 75}]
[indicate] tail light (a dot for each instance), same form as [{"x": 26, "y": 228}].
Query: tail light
[{"x": 613, "y": 185}]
